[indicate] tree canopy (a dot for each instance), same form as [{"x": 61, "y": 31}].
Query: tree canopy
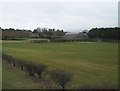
[{"x": 105, "y": 33}]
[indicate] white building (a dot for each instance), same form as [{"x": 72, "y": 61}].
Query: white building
[{"x": 75, "y": 35}]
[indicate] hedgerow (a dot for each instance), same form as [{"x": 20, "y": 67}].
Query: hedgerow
[{"x": 36, "y": 70}]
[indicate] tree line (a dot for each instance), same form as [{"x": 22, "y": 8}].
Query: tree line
[
  {"x": 102, "y": 33},
  {"x": 49, "y": 33},
  {"x": 12, "y": 33},
  {"x": 105, "y": 33}
]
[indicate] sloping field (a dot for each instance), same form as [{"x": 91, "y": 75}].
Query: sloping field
[
  {"x": 0, "y": 74},
  {"x": 0, "y": 65},
  {"x": 92, "y": 63},
  {"x": 15, "y": 79}
]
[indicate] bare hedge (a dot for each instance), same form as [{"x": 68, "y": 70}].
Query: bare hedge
[
  {"x": 36, "y": 70},
  {"x": 61, "y": 77}
]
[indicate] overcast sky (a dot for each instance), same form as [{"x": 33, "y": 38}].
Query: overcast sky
[{"x": 69, "y": 16}]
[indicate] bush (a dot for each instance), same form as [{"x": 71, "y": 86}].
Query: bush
[
  {"x": 39, "y": 69},
  {"x": 13, "y": 62},
  {"x": 70, "y": 40},
  {"x": 7, "y": 58},
  {"x": 39, "y": 41},
  {"x": 21, "y": 64},
  {"x": 29, "y": 69},
  {"x": 61, "y": 77}
]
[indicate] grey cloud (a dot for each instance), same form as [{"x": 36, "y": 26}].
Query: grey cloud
[{"x": 67, "y": 16}]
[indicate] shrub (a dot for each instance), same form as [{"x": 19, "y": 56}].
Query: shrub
[
  {"x": 7, "y": 58},
  {"x": 39, "y": 69},
  {"x": 13, "y": 62},
  {"x": 21, "y": 64},
  {"x": 61, "y": 77},
  {"x": 39, "y": 41},
  {"x": 29, "y": 69}
]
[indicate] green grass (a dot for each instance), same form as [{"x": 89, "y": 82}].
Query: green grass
[
  {"x": 92, "y": 63},
  {"x": 0, "y": 74},
  {"x": 0, "y": 65}
]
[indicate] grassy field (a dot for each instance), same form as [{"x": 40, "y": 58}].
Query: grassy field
[
  {"x": 92, "y": 63},
  {"x": 0, "y": 65},
  {"x": 0, "y": 74}
]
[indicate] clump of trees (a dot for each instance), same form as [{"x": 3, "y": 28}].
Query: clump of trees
[
  {"x": 12, "y": 33},
  {"x": 105, "y": 33},
  {"x": 36, "y": 70},
  {"x": 49, "y": 33}
]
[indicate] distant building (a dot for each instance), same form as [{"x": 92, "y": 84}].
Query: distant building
[{"x": 75, "y": 35}]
